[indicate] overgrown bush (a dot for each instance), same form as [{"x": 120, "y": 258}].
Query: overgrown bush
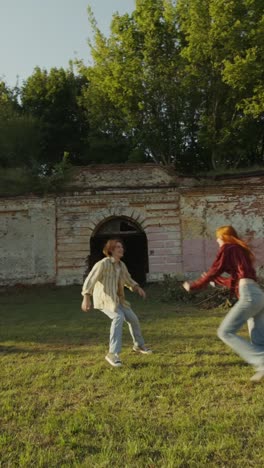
[
  {"x": 21, "y": 181},
  {"x": 172, "y": 290}
]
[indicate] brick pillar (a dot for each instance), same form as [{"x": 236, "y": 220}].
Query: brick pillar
[{"x": 164, "y": 249}]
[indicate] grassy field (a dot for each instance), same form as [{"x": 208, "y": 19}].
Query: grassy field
[{"x": 190, "y": 404}]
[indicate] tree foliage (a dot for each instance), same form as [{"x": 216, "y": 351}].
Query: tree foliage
[
  {"x": 134, "y": 84},
  {"x": 183, "y": 82},
  {"x": 19, "y": 131},
  {"x": 222, "y": 43},
  {"x": 176, "y": 82},
  {"x": 53, "y": 98}
]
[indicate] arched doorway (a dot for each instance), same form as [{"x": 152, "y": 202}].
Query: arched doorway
[{"x": 135, "y": 241}]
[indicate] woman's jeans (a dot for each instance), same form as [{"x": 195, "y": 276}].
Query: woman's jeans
[
  {"x": 123, "y": 314},
  {"x": 250, "y": 309}
]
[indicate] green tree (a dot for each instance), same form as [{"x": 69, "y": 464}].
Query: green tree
[
  {"x": 182, "y": 82},
  {"x": 135, "y": 83},
  {"x": 244, "y": 70},
  {"x": 222, "y": 44},
  {"x": 19, "y": 132},
  {"x": 53, "y": 98}
]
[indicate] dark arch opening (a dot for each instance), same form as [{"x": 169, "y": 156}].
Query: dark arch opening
[{"x": 135, "y": 241}]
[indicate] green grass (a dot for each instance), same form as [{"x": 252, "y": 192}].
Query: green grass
[{"x": 190, "y": 404}]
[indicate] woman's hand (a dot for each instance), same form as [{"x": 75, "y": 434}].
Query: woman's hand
[{"x": 186, "y": 286}]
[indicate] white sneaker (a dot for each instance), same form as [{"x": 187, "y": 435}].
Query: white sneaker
[
  {"x": 257, "y": 376},
  {"x": 113, "y": 359},
  {"x": 142, "y": 349}
]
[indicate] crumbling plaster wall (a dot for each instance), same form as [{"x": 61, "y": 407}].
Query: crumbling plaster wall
[
  {"x": 239, "y": 202},
  {"x": 146, "y": 194},
  {"x": 27, "y": 240},
  {"x": 48, "y": 239}
]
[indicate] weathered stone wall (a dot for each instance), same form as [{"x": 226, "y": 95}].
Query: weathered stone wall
[
  {"x": 123, "y": 175},
  {"x": 146, "y": 194},
  {"x": 238, "y": 201},
  {"x": 155, "y": 211},
  {"x": 48, "y": 239},
  {"x": 27, "y": 241}
]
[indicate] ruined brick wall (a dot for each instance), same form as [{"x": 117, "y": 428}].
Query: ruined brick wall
[
  {"x": 147, "y": 196},
  {"x": 27, "y": 240},
  {"x": 237, "y": 201},
  {"x": 48, "y": 239}
]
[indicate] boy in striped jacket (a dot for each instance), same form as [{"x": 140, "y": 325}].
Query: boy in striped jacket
[{"x": 105, "y": 284}]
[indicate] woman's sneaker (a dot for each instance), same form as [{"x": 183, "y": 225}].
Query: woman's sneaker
[
  {"x": 113, "y": 359},
  {"x": 142, "y": 349}
]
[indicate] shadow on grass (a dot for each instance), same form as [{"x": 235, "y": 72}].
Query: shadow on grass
[
  {"x": 233, "y": 364},
  {"x": 35, "y": 349},
  {"x": 139, "y": 365}
]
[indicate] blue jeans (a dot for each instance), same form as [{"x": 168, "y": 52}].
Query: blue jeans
[
  {"x": 250, "y": 309},
  {"x": 123, "y": 314}
]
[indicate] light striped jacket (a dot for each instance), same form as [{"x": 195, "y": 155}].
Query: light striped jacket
[{"x": 106, "y": 284}]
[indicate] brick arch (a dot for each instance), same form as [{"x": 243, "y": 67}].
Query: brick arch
[
  {"x": 106, "y": 214},
  {"x": 138, "y": 264}
]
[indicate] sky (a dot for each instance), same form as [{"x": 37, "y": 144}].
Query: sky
[{"x": 49, "y": 33}]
